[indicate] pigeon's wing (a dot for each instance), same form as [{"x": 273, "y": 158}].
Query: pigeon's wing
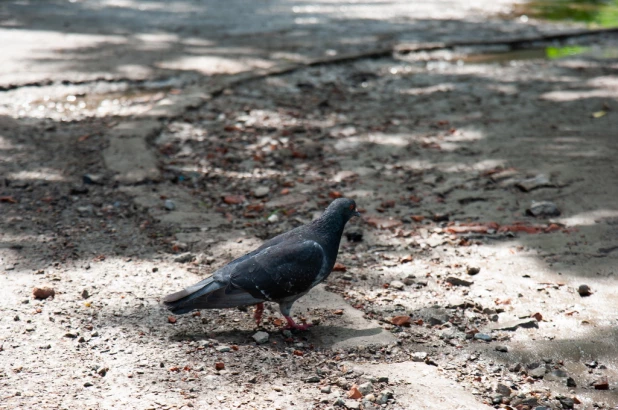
[{"x": 280, "y": 271}]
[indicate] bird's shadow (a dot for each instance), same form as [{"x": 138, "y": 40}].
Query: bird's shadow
[{"x": 326, "y": 337}]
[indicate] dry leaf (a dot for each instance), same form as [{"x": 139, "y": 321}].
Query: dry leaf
[
  {"x": 401, "y": 321},
  {"x": 234, "y": 199},
  {"x": 335, "y": 194},
  {"x": 354, "y": 393},
  {"x": 8, "y": 199},
  {"x": 383, "y": 223},
  {"x": 338, "y": 312},
  {"x": 339, "y": 267}
]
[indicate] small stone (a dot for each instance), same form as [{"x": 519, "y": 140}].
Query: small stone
[
  {"x": 502, "y": 389},
  {"x": 346, "y": 276},
  {"x": 79, "y": 190},
  {"x": 88, "y": 384},
  {"x": 352, "y": 405},
  {"x": 601, "y": 384},
  {"x": 92, "y": 179},
  {"x": 169, "y": 205},
  {"x": 567, "y": 402},
  {"x": 184, "y": 257},
  {"x": 570, "y": 382},
  {"x": 274, "y": 218},
  {"x": 584, "y": 290},
  {"x": 383, "y": 379},
  {"x": 87, "y": 210},
  {"x": 543, "y": 208},
  {"x": 419, "y": 356},
  {"x": 43, "y": 293},
  {"x": 325, "y": 390},
  {"x": 502, "y": 348},
  {"x": 396, "y": 284},
  {"x": 223, "y": 349},
  {"x": 219, "y": 365},
  {"x": 483, "y": 336},
  {"x": 261, "y": 337},
  {"x": 312, "y": 379},
  {"x": 515, "y": 368},
  {"x": 85, "y": 294},
  {"x": 409, "y": 280},
  {"x": 473, "y": 270},
  {"x": 514, "y": 324},
  {"x": 370, "y": 397},
  {"x": 497, "y": 399},
  {"x": 538, "y": 372},
  {"x": 538, "y": 181},
  {"x": 365, "y": 388},
  {"x": 354, "y": 393},
  {"x": 261, "y": 191},
  {"x": 455, "y": 281}
]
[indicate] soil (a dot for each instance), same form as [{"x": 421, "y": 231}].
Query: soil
[{"x": 449, "y": 293}]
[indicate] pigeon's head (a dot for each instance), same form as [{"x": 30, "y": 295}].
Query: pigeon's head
[{"x": 344, "y": 208}]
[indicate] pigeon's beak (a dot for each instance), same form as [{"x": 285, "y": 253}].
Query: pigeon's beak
[{"x": 356, "y": 213}]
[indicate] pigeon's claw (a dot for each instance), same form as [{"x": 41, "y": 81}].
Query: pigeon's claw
[
  {"x": 294, "y": 325},
  {"x": 259, "y": 309}
]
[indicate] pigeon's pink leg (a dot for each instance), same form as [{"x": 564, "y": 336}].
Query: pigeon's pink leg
[
  {"x": 293, "y": 325},
  {"x": 259, "y": 309}
]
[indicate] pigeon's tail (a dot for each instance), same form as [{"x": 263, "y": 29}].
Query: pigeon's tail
[{"x": 208, "y": 294}]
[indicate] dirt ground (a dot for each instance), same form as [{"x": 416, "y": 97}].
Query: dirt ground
[{"x": 134, "y": 163}]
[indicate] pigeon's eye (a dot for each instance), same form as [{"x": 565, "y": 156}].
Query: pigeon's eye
[{"x": 352, "y": 207}]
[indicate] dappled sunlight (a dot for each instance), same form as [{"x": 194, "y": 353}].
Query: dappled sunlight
[
  {"x": 41, "y": 174},
  {"x": 589, "y": 218}
]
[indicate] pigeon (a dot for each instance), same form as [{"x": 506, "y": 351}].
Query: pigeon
[{"x": 282, "y": 270}]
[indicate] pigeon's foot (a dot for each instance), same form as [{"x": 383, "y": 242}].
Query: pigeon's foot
[
  {"x": 259, "y": 309},
  {"x": 294, "y": 325}
]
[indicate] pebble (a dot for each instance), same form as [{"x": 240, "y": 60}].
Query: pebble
[
  {"x": 601, "y": 384},
  {"x": 352, "y": 404},
  {"x": 365, "y": 388},
  {"x": 473, "y": 270},
  {"x": 43, "y": 293},
  {"x": 184, "y": 258},
  {"x": 543, "y": 208},
  {"x": 354, "y": 235},
  {"x": 92, "y": 179},
  {"x": 261, "y": 191},
  {"x": 396, "y": 284},
  {"x": 79, "y": 190},
  {"x": 313, "y": 379},
  {"x": 502, "y": 348},
  {"x": 274, "y": 218},
  {"x": 584, "y": 290},
  {"x": 502, "y": 389},
  {"x": 483, "y": 336},
  {"x": 85, "y": 210},
  {"x": 169, "y": 205},
  {"x": 538, "y": 372},
  {"x": 325, "y": 389},
  {"x": 261, "y": 337},
  {"x": 455, "y": 281},
  {"x": 570, "y": 382},
  {"x": 88, "y": 384},
  {"x": 85, "y": 294},
  {"x": 419, "y": 356},
  {"x": 538, "y": 181},
  {"x": 223, "y": 349}
]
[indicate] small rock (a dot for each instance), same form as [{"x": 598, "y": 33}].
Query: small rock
[
  {"x": 584, "y": 290},
  {"x": 567, "y": 402},
  {"x": 92, "y": 179},
  {"x": 312, "y": 379},
  {"x": 79, "y": 190},
  {"x": 370, "y": 397},
  {"x": 419, "y": 356},
  {"x": 401, "y": 321},
  {"x": 261, "y": 337},
  {"x": 352, "y": 405},
  {"x": 502, "y": 348},
  {"x": 274, "y": 218},
  {"x": 455, "y": 281},
  {"x": 88, "y": 384},
  {"x": 408, "y": 281},
  {"x": 184, "y": 257},
  {"x": 223, "y": 349},
  {"x": 397, "y": 285},
  {"x": 538, "y": 372},
  {"x": 538, "y": 181},
  {"x": 570, "y": 382},
  {"x": 354, "y": 393},
  {"x": 502, "y": 389},
  {"x": 87, "y": 210},
  {"x": 514, "y": 324},
  {"x": 261, "y": 191},
  {"x": 169, "y": 205},
  {"x": 219, "y": 365},
  {"x": 515, "y": 368},
  {"x": 384, "y": 379},
  {"x": 601, "y": 384},
  {"x": 43, "y": 293},
  {"x": 85, "y": 294},
  {"x": 473, "y": 270},
  {"x": 543, "y": 208},
  {"x": 483, "y": 336},
  {"x": 325, "y": 389},
  {"x": 365, "y": 388}
]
